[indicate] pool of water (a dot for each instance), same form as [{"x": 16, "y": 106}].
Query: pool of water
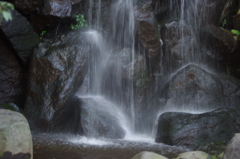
[{"x": 46, "y": 146}]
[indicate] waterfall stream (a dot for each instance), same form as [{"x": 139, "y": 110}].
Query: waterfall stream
[{"x": 108, "y": 89}]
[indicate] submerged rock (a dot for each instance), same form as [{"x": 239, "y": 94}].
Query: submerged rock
[
  {"x": 15, "y": 136},
  {"x": 148, "y": 155},
  {"x": 194, "y": 155},
  {"x": 57, "y": 70},
  {"x": 193, "y": 130},
  {"x": 233, "y": 148}
]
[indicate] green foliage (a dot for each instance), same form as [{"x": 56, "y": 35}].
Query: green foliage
[
  {"x": 214, "y": 157},
  {"x": 42, "y": 34},
  {"x": 224, "y": 23},
  {"x": 5, "y": 11},
  {"x": 81, "y": 22},
  {"x": 235, "y": 32}
]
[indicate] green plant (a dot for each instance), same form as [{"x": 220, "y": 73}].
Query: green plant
[
  {"x": 224, "y": 23},
  {"x": 235, "y": 32},
  {"x": 42, "y": 34},
  {"x": 81, "y": 22},
  {"x": 5, "y": 11}
]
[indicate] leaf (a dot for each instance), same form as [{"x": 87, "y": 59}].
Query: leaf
[
  {"x": 9, "y": 5},
  {"x": 235, "y": 32},
  {"x": 7, "y": 15}
]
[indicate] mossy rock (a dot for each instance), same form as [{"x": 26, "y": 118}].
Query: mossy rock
[
  {"x": 213, "y": 148},
  {"x": 10, "y": 106}
]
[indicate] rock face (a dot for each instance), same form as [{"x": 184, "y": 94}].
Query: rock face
[
  {"x": 149, "y": 36},
  {"x": 11, "y": 75},
  {"x": 15, "y": 136},
  {"x": 224, "y": 42},
  {"x": 193, "y": 155},
  {"x": 22, "y": 36},
  {"x": 56, "y": 72},
  {"x": 233, "y": 148},
  {"x": 195, "y": 89},
  {"x": 148, "y": 155},
  {"x": 192, "y": 130}
]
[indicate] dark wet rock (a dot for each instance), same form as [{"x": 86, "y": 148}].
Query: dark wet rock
[
  {"x": 15, "y": 136},
  {"x": 229, "y": 10},
  {"x": 232, "y": 150},
  {"x": 11, "y": 75},
  {"x": 193, "y": 130},
  {"x": 166, "y": 11},
  {"x": 148, "y": 36},
  {"x": 22, "y": 36},
  {"x": 97, "y": 120},
  {"x": 212, "y": 148},
  {"x": 178, "y": 47},
  {"x": 57, "y": 70},
  {"x": 236, "y": 21},
  {"x": 68, "y": 118},
  {"x": 9, "y": 106},
  {"x": 59, "y": 8},
  {"x": 9, "y": 155},
  {"x": 223, "y": 41},
  {"x": 193, "y": 88}
]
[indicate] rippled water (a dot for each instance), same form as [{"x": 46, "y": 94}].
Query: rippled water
[{"x": 76, "y": 147}]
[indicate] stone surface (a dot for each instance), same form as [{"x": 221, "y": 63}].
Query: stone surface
[
  {"x": 11, "y": 75},
  {"x": 221, "y": 40},
  {"x": 229, "y": 10},
  {"x": 236, "y": 21},
  {"x": 21, "y": 35},
  {"x": 194, "y": 155},
  {"x": 233, "y": 148},
  {"x": 193, "y": 130},
  {"x": 193, "y": 89},
  {"x": 149, "y": 36},
  {"x": 148, "y": 155},
  {"x": 15, "y": 136},
  {"x": 57, "y": 70}
]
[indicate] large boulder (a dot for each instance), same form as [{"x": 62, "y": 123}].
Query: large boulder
[
  {"x": 15, "y": 136},
  {"x": 194, "y": 155},
  {"x": 148, "y": 155},
  {"x": 196, "y": 89},
  {"x": 192, "y": 130},
  {"x": 11, "y": 75},
  {"x": 57, "y": 70},
  {"x": 101, "y": 118},
  {"x": 233, "y": 148},
  {"x": 21, "y": 35}
]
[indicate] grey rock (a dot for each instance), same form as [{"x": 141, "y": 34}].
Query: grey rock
[
  {"x": 15, "y": 135},
  {"x": 233, "y": 148}
]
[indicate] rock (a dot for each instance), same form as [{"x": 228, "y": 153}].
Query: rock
[
  {"x": 99, "y": 118},
  {"x": 149, "y": 36},
  {"x": 11, "y": 75},
  {"x": 213, "y": 148},
  {"x": 68, "y": 118},
  {"x": 22, "y": 36},
  {"x": 233, "y": 148},
  {"x": 194, "y": 155},
  {"x": 229, "y": 10},
  {"x": 223, "y": 41},
  {"x": 148, "y": 155},
  {"x": 9, "y": 106},
  {"x": 193, "y": 130},
  {"x": 59, "y": 8},
  {"x": 178, "y": 45},
  {"x": 193, "y": 89},
  {"x": 236, "y": 21},
  {"x": 57, "y": 70},
  {"x": 15, "y": 136}
]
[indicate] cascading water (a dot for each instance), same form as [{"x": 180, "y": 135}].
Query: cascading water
[
  {"x": 108, "y": 90},
  {"x": 108, "y": 84}
]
